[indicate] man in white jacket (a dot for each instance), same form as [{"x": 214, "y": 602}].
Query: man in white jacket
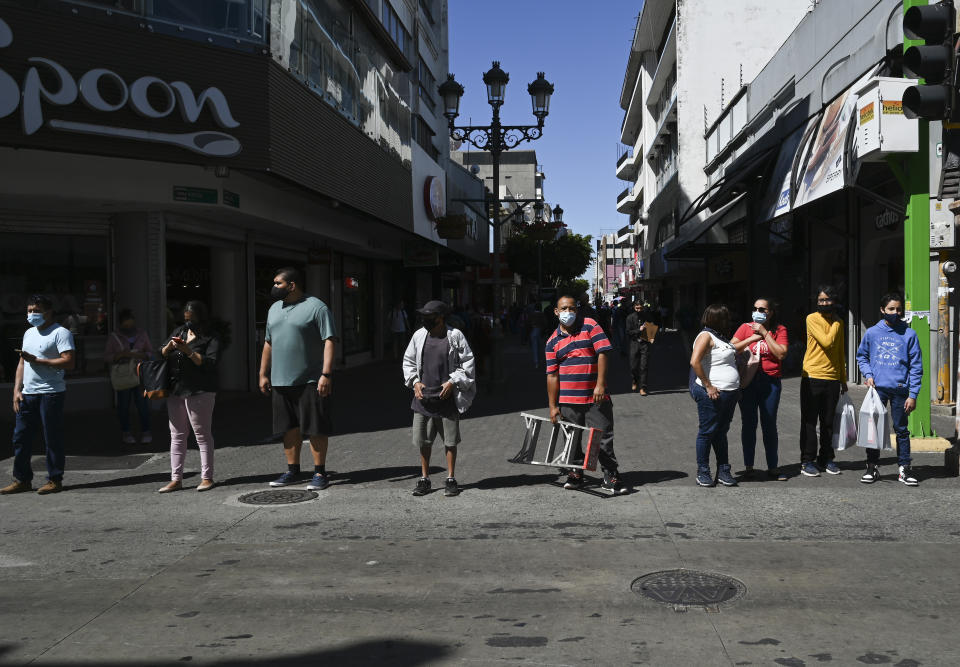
[{"x": 438, "y": 365}]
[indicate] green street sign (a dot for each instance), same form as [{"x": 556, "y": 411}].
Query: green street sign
[
  {"x": 231, "y": 198},
  {"x": 195, "y": 195}
]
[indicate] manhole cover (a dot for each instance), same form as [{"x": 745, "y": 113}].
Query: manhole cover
[
  {"x": 689, "y": 588},
  {"x": 280, "y": 497}
]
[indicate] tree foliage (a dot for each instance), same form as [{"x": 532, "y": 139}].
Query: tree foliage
[{"x": 564, "y": 260}]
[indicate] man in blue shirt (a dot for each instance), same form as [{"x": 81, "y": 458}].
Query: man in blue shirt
[
  {"x": 890, "y": 361},
  {"x": 297, "y": 369},
  {"x": 38, "y": 394}
]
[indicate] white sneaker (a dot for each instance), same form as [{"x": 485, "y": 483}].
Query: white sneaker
[{"x": 907, "y": 477}]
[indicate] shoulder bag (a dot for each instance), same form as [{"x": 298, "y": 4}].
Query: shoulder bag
[{"x": 123, "y": 373}]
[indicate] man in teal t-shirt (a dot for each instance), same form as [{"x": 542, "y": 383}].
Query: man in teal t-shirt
[{"x": 297, "y": 369}]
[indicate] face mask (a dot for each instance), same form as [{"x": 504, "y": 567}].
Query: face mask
[
  {"x": 430, "y": 322},
  {"x": 277, "y": 293},
  {"x": 190, "y": 325},
  {"x": 891, "y": 318},
  {"x": 826, "y": 310},
  {"x": 35, "y": 319},
  {"x": 567, "y": 317},
  {"x": 759, "y": 318}
]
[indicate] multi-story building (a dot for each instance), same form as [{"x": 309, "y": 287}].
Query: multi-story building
[
  {"x": 616, "y": 266},
  {"x": 682, "y": 67},
  {"x": 156, "y": 152},
  {"x": 787, "y": 151}
]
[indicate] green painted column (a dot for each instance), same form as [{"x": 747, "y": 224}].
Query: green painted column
[{"x": 916, "y": 254}]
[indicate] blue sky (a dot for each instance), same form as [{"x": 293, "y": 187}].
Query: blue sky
[{"x": 583, "y": 49}]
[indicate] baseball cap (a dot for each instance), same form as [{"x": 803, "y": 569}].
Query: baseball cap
[{"x": 434, "y": 308}]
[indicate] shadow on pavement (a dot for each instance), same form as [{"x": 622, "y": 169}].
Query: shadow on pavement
[
  {"x": 393, "y": 652},
  {"x": 641, "y": 477},
  {"x": 392, "y": 474},
  {"x": 155, "y": 478},
  {"x": 512, "y": 481}
]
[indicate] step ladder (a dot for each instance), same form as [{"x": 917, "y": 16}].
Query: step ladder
[{"x": 561, "y": 439}]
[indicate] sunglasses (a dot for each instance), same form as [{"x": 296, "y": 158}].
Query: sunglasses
[{"x": 759, "y": 310}]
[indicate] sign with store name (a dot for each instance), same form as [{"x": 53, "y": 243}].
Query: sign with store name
[
  {"x": 231, "y": 198},
  {"x": 886, "y": 219},
  {"x": 48, "y": 89},
  {"x": 195, "y": 195}
]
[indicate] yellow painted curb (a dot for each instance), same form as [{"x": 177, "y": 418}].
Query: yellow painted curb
[{"x": 924, "y": 444}]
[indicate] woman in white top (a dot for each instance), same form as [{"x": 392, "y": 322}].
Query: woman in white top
[{"x": 716, "y": 391}]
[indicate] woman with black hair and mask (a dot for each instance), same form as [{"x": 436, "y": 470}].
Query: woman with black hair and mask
[
  {"x": 824, "y": 379},
  {"x": 192, "y": 352}
]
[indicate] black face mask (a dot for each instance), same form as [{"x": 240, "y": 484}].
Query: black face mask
[
  {"x": 430, "y": 322},
  {"x": 190, "y": 325},
  {"x": 826, "y": 310},
  {"x": 277, "y": 293}
]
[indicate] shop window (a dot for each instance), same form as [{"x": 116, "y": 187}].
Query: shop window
[
  {"x": 188, "y": 278},
  {"x": 72, "y": 271}
]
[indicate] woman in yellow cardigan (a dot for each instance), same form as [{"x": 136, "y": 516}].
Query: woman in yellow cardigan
[{"x": 824, "y": 379}]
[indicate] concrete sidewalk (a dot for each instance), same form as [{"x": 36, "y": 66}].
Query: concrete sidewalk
[{"x": 513, "y": 571}]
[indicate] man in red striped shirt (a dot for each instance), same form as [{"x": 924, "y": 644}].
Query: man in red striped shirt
[{"x": 577, "y": 386}]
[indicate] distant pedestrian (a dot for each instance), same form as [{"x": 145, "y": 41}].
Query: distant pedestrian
[
  {"x": 715, "y": 390},
  {"x": 891, "y": 362},
  {"x": 297, "y": 369},
  {"x": 642, "y": 327},
  {"x": 128, "y": 344},
  {"x": 824, "y": 378},
  {"x": 193, "y": 353},
  {"x": 576, "y": 365},
  {"x": 399, "y": 327},
  {"x": 536, "y": 321},
  {"x": 438, "y": 365},
  {"x": 767, "y": 340},
  {"x": 39, "y": 389}
]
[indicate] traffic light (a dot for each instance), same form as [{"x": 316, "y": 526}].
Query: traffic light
[{"x": 934, "y": 62}]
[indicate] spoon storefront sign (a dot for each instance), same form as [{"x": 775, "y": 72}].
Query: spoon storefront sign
[{"x": 47, "y": 88}]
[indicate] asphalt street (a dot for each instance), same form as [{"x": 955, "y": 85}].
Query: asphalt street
[{"x": 514, "y": 571}]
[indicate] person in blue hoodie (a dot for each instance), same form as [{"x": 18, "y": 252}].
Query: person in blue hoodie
[{"x": 890, "y": 361}]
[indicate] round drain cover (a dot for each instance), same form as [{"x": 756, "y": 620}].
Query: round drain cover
[
  {"x": 689, "y": 588},
  {"x": 277, "y": 497}
]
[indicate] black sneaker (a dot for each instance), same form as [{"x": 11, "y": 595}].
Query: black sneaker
[
  {"x": 423, "y": 487},
  {"x": 871, "y": 475},
  {"x": 451, "y": 488},
  {"x": 906, "y": 476},
  {"x": 574, "y": 480},
  {"x": 613, "y": 486}
]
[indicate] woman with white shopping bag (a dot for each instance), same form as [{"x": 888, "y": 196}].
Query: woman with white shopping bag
[{"x": 890, "y": 361}]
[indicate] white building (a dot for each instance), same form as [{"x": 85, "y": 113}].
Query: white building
[{"x": 686, "y": 60}]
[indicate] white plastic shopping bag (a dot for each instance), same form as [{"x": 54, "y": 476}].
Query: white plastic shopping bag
[
  {"x": 875, "y": 422},
  {"x": 845, "y": 424}
]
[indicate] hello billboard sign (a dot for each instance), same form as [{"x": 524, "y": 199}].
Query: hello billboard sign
[{"x": 48, "y": 88}]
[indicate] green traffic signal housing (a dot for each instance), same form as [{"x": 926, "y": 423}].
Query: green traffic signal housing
[{"x": 933, "y": 62}]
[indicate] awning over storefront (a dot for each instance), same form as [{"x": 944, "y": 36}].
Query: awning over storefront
[
  {"x": 818, "y": 158},
  {"x": 687, "y": 245}
]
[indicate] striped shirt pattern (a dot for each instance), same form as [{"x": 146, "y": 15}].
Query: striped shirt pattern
[{"x": 575, "y": 358}]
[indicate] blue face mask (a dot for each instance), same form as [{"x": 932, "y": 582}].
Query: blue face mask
[
  {"x": 891, "y": 318},
  {"x": 759, "y": 317},
  {"x": 35, "y": 319},
  {"x": 567, "y": 317}
]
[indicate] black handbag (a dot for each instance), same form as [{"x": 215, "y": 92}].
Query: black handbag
[{"x": 154, "y": 378}]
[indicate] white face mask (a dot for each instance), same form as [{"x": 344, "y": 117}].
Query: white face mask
[{"x": 567, "y": 317}]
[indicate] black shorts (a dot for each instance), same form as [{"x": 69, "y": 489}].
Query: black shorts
[{"x": 301, "y": 407}]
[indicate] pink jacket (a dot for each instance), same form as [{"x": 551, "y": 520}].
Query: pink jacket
[{"x": 117, "y": 342}]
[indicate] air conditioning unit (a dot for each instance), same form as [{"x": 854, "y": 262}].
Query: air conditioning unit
[{"x": 882, "y": 128}]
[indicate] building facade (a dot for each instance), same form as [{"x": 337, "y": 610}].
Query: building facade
[
  {"x": 153, "y": 153},
  {"x": 686, "y": 59}
]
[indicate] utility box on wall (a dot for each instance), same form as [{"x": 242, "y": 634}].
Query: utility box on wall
[
  {"x": 942, "y": 228},
  {"x": 881, "y": 126}
]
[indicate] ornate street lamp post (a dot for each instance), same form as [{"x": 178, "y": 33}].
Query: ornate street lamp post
[{"x": 496, "y": 138}]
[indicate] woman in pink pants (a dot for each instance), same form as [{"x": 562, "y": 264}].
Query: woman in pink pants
[{"x": 192, "y": 352}]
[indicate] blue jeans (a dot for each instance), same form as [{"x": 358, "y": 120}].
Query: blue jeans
[
  {"x": 894, "y": 400},
  {"x": 38, "y": 410},
  {"x": 715, "y": 417},
  {"x": 761, "y": 396},
  {"x": 124, "y": 398}
]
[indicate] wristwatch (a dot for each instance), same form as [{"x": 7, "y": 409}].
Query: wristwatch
[{"x": 327, "y": 375}]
